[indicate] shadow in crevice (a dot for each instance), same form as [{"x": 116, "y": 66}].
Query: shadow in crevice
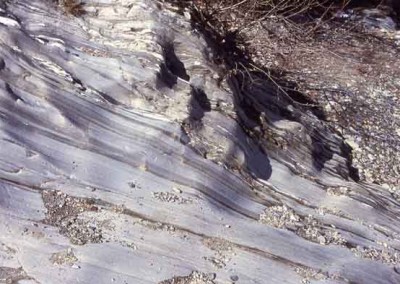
[
  {"x": 171, "y": 69},
  {"x": 198, "y": 105},
  {"x": 320, "y": 151},
  {"x": 12, "y": 94},
  {"x": 173, "y": 63},
  {"x": 257, "y": 160},
  {"x": 165, "y": 78},
  {"x": 346, "y": 151}
]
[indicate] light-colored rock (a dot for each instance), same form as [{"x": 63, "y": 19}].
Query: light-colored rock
[{"x": 100, "y": 121}]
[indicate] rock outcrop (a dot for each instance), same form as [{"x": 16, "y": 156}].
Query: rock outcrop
[{"x": 127, "y": 156}]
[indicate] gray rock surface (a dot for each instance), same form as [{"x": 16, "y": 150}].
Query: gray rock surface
[{"x": 124, "y": 159}]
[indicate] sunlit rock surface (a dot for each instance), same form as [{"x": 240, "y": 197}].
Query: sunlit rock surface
[{"x": 127, "y": 157}]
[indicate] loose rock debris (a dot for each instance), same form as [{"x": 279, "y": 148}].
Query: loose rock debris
[
  {"x": 194, "y": 278},
  {"x": 10, "y": 275},
  {"x": 64, "y": 257},
  {"x": 63, "y": 212},
  {"x": 306, "y": 227}
]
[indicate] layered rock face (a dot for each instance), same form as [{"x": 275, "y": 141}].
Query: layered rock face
[{"x": 127, "y": 156}]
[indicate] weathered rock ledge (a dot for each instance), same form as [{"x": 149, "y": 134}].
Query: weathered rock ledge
[{"x": 126, "y": 156}]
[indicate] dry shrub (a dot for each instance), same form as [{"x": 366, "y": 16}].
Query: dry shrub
[
  {"x": 72, "y": 7},
  {"x": 250, "y": 11}
]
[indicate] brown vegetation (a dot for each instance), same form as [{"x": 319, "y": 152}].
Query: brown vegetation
[{"x": 72, "y": 7}]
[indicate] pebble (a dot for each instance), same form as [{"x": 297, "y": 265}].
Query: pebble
[
  {"x": 177, "y": 190},
  {"x": 75, "y": 266},
  {"x": 321, "y": 240},
  {"x": 187, "y": 15}
]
